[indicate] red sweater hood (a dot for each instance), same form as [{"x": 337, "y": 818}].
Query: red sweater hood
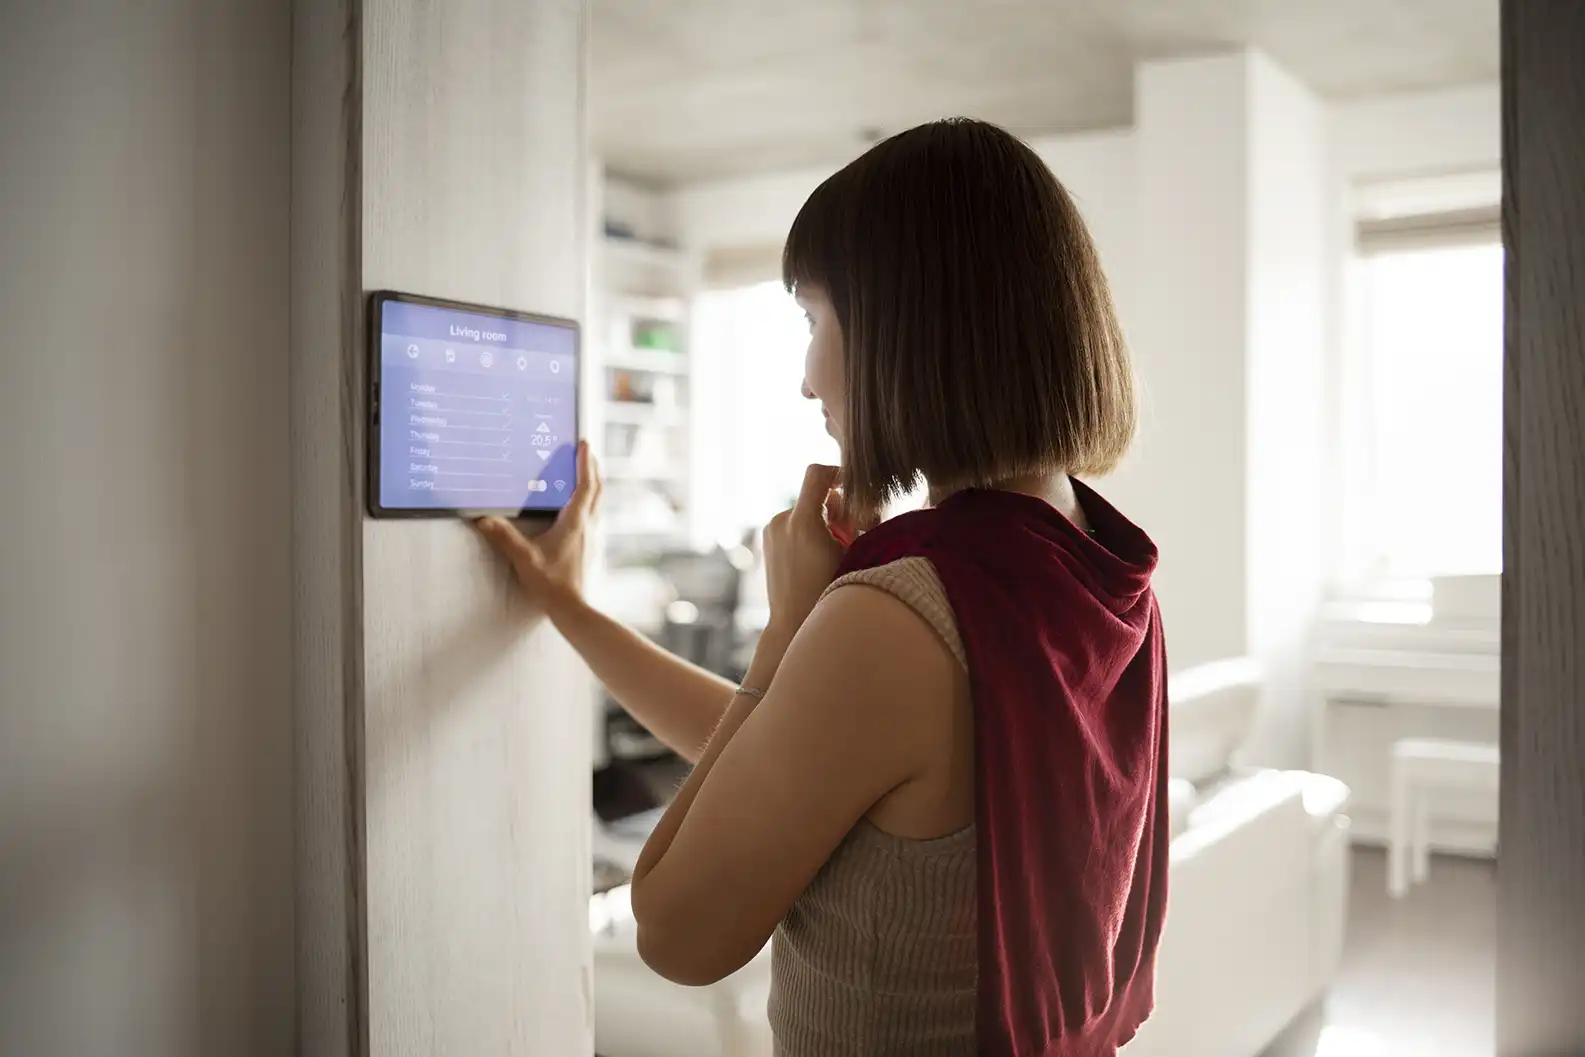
[{"x": 1067, "y": 666}]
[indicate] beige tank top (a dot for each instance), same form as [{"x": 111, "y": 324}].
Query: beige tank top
[{"x": 878, "y": 957}]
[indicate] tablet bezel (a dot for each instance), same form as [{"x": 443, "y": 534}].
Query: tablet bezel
[{"x": 377, "y": 301}]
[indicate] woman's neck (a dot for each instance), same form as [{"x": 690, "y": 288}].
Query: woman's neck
[{"x": 1056, "y": 489}]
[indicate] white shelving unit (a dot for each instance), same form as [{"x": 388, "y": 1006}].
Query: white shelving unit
[
  {"x": 638, "y": 407},
  {"x": 647, "y": 360},
  {"x": 624, "y": 412},
  {"x": 645, "y": 376}
]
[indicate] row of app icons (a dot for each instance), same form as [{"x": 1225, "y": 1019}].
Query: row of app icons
[{"x": 486, "y": 359}]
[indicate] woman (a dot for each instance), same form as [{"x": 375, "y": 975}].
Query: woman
[{"x": 941, "y": 785}]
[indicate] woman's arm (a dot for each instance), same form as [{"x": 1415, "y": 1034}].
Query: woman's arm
[
  {"x": 786, "y": 778},
  {"x": 679, "y": 702}
]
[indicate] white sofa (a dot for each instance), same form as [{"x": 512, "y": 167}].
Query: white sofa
[{"x": 1255, "y": 922}]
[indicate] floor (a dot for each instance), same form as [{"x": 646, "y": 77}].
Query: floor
[{"x": 1418, "y": 975}]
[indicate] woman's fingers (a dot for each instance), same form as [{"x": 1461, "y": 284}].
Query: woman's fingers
[
  {"x": 585, "y": 491},
  {"x": 588, "y": 484},
  {"x": 589, "y": 487},
  {"x": 837, "y": 519},
  {"x": 836, "y": 511},
  {"x": 599, "y": 486},
  {"x": 818, "y": 482},
  {"x": 506, "y": 538}
]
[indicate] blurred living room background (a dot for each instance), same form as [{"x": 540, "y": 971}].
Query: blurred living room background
[
  {"x": 279, "y": 777},
  {"x": 1297, "y": 206}
]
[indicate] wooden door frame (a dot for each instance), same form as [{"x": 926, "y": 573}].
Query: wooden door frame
[{"x": 1541, "y": 862}]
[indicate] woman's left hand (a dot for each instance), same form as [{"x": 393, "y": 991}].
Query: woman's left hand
[{"x": 801, "y": 556}]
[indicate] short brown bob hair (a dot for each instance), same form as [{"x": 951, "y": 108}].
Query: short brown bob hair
[{"x": 980, "y": 339}]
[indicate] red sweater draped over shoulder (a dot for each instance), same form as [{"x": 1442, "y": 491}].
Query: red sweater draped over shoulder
[{"x": 1068, "y": 672}]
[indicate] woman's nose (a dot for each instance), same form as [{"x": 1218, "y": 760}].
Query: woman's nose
[{"x": 809, "y": 394}]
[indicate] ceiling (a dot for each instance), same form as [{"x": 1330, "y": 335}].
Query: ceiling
[{"x": 684, "y": 90}]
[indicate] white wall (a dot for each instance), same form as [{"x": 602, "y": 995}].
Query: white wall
[
  {"x": 1292, "y": 227},
  {"x": 146, "y": 836},
  {"x": 749, "y": 211},
  {"x": 1422, "y": 133},
  {"x": 473, "y": 726},
  {"x": 1183, "y": 481}
]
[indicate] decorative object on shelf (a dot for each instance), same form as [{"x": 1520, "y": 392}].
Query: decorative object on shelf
[
  {"x": 660, "y": 335},
  {"x": 630, "y": 387},
  {"x": 620, "y": 231}
]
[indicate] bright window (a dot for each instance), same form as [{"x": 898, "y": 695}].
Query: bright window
[
  {"x": 756, "y": 432},
  {"x": 1423, "y": 414}
]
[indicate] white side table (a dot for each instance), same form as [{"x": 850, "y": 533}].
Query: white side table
[{"x": 1420, "y": 767}]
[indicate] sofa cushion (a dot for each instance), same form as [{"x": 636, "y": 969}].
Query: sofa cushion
[
  {"x": 1212, "y": 709},
  {"x": 1326, "y": 801}
]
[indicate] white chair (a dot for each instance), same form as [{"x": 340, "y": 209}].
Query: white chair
[{"x": 1420, "y": 767}]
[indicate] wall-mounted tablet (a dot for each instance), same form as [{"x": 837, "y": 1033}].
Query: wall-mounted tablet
[{"x": 472, "y": 410}]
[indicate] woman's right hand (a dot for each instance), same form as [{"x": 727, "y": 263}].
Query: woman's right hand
[{"x": 550, "y": 566}]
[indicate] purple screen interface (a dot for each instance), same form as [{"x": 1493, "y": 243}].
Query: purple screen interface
[{"x": 477, "y": 412}]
